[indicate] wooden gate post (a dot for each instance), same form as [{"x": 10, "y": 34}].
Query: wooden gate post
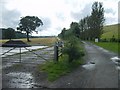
[{"x": 56, "y": 53}]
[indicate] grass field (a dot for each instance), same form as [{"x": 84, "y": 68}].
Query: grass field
[
  {"x": 109, "y": 31},
  {"x": 36, "y": 41},
  {"x": 112, "y": 46}
]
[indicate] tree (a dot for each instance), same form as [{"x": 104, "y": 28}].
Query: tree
[
  {"x": 74, "y": 26},
  {"x": 29, "y": 24},
  {"x": 84, "y": 28},
  {"x": 91, "y": 26},
  {"x": 97, "y": 19},
  {"x": 9, "y": 33},
  {"x": 62, "y": 34}
]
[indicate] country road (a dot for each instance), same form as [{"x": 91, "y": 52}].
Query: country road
[{"x": 100, "y": 71}]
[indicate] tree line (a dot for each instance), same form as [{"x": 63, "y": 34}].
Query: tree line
[
  {"x": 88, "y": 28},
  {"x": 10, "y": 33}
]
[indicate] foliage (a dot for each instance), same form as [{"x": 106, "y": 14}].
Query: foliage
[
  {"x": 9, "y": 33},
  {"x": 55, "y": 70},
  {"x": 91, "y": 26},
  {"x": 88, "y": 28},
  {"x": 73, "y": 50},
  {"x": 74, "y": 26},
  {"x": 85, "y": 30},
  {"x": 29, "y": 24},
  {"x": 72, "y": 42},
  {"x": 62, "y": 34},
  {"x": 97, "y": 16},
  {"x": 72, "y": 31}
]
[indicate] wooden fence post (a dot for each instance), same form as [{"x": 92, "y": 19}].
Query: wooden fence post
[{"x": 56, "y": 53}]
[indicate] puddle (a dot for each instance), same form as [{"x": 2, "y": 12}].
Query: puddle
[
  {"x": 89, "y": 66},
  {"x": 20, "y": 80},
  {"x": 83, "y": 42},
  {"x": 116, "y": 60},
  {"x": 118, "y": 67}
]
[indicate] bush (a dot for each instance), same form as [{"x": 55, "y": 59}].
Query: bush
[
  {"x": 72, "y": 49},
  {"x": 104, "y": 40},
  {"x": 118, "y": 40},
  {"x": 113, "y": 39}
]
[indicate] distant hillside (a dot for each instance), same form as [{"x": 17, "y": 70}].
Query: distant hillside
[{"x": 109, "y": 31}]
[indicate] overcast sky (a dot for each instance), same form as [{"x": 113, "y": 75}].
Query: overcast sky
[{"x": 55, "y": 14}]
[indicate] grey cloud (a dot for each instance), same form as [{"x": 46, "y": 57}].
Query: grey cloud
[
  {"x": 60, "y": 16},
  {"x": 72, "y": 3},
  {"x": 10, "y": 18},
  {"x": 119, "y": 12},
  {"x": 58, "y": 28},
  {"x": 83, "y": 13},
  {"x": 110, "y": 20},
  {"x": 77, "y": 15},
  {"x": 46, "y": 23},
  {"x": 110, "y": 10}
]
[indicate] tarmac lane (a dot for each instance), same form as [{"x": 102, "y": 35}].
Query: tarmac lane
[{"x": 99, "y": 71}]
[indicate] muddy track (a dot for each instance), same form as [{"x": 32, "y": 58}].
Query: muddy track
[{"x": 25, "y": 74}]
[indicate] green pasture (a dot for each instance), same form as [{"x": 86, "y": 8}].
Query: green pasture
[
  {"x": 109, "y": 31},
  {"x": 111, "y": 46}
]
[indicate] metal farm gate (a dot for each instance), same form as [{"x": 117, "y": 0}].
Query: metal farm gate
[{"x": 43, "y": 54}]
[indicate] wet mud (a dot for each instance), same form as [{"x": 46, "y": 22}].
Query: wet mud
[{"x": 25, "y": 74}]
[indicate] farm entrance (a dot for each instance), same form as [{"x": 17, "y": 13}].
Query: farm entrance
[{"x": 29, "y": 55}]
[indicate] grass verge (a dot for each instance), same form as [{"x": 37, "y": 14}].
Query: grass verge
[
  {"x": 55, "y": 70},
  {"x": 112, "y": 46}
]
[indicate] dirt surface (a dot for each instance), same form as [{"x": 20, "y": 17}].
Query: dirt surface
[
  {"x": 98, "y": 71},
  {"x": 24, "y": 74}
]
